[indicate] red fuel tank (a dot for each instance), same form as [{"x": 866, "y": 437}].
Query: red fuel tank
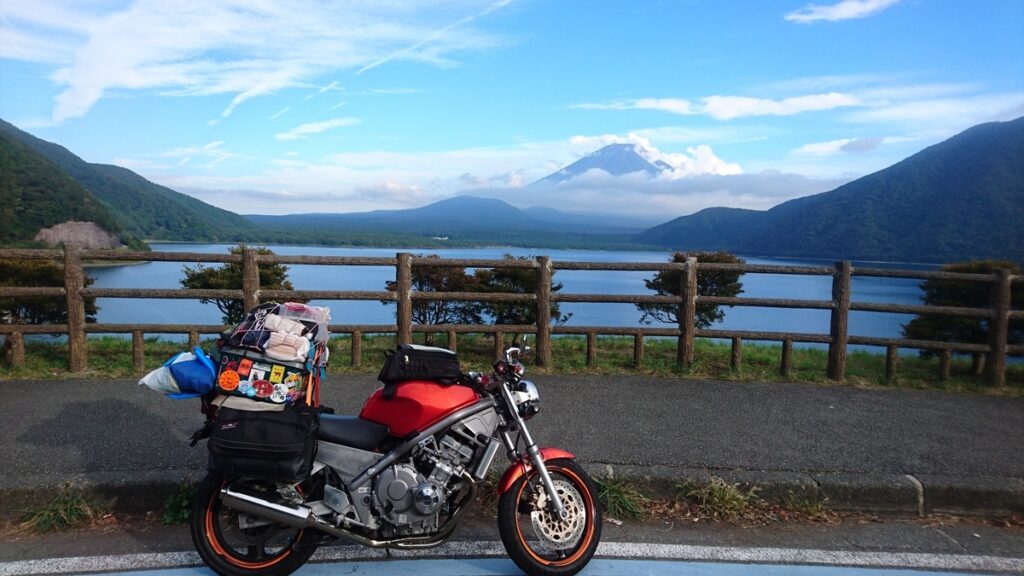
[{"x": 416, "y": 405}]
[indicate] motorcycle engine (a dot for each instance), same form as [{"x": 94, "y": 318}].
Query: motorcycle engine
[{"x": 411, "y": 495}]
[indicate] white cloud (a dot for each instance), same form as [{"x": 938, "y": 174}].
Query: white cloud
[
  {"x": 280, "y": 112},
  {"x": 700, "y": 159},
  {"x": 822, "y": 148},
  {"x": 213, "y": 151},
  {"x": 303, "y": 130},
  {"x": 218, "y": 47},
  {"x": 662, "y": 199},
  {"x": 844, "y": 10},
  {"x": 950, "y": 114},
  {"x": 671, "y": 105},
  {"x": 730, "y": 107}
]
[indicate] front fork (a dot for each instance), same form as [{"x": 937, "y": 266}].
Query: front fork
[{"x": 536, "y": 457}]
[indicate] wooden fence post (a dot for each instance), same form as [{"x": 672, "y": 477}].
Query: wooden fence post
[
  {"x": 544, "y": 311},
  {"x": 403, "y": 283},
  {"x": 840, "y": 321},
  {"x": 638, "y": 350},
  {"x": 786, "y": 366},
  {"x": 138, "y": 352},
  {"x": 453, "y": 341},
  {"x": 499, "y": 345},
  {"x": 193, "y": 339},
  {"x": 998, "y": 328},
  {"x": 978, "y": 363},
  {"x": 736, "y": 357},
  {"x": 892, "y": 359},
  {"x": 357, "y": 349},
  {"x": 591, "y": 349},
  {"x": 945, "y": 359},
  {"x": 250, "y": 279},
  {"x": 17, "y": 341},
  {"x": 687, "y": 312},
  {"x": 74, "y": 281}
]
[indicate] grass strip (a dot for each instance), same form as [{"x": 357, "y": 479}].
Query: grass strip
[{"x": 111, "y": 357}]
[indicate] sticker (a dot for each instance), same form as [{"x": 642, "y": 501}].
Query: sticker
[
  {"x": 280, "y": 393},
  {"x": 277, "y": 374},
  {"x": 255, "y": 374},
  {"x": 232, "y": 365},
  {"x": 262, "y": 366},
  {"x": 245, "y": 387},
  {"x": 263, "y": 388},
  {"x": 228, "y": 380},
  {"x": 244, "y": 366},
  {"x": 293, "y": 380}
]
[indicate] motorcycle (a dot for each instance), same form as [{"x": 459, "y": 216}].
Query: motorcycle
[{"x": 402, "y": 475}]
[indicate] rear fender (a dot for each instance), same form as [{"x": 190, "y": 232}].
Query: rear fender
[{"x": 523, "y": 466}]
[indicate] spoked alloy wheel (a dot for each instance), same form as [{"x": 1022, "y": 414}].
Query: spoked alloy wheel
[
  {"x": 537, "y": 540},
  {"x": 233, "y": 543}
]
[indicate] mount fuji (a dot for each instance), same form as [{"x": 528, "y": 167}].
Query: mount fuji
[{"x": 615, "y": 159}]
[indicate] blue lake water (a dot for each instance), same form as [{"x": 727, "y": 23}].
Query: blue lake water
[{"x": 169, "y": 275}]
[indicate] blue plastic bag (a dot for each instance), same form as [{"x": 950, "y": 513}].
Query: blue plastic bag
[{"x": 195, "y": 376}]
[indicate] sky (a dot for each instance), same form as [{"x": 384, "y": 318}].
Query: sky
[{"x": 341, "y": 106}]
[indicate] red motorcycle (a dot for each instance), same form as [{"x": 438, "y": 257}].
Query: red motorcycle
[{"x": 400, "y": 475}]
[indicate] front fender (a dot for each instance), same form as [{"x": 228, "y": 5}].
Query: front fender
[{"x": 523, "y": 466}]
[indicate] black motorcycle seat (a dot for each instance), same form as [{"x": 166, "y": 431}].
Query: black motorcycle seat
[{"x": 352, "y": 431}]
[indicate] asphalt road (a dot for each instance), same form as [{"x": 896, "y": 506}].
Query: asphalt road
[{"x": 55, "y": 430}]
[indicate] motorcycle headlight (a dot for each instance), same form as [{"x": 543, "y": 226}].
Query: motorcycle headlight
[{"x": 527, "y": 399}]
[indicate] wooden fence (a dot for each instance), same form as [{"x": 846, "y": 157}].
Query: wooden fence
[{"x": 992, "y": 354}]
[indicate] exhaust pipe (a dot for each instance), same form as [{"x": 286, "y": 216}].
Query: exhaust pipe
[
  {"x": 294, "y": 516},
  {"x": 303, "y": 517}
]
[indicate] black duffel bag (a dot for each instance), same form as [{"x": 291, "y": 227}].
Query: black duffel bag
[
  {"x": 277, "y": 446},
  {"x": 412, "y": 362}
]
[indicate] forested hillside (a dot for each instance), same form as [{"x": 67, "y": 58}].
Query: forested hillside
[
  {"x": 35, "y": 194},
  {"x": 141, "y": 207},
  {"x": 956, "y": 200}
]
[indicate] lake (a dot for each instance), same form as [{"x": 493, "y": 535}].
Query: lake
[{"x": 169, "y": 275}]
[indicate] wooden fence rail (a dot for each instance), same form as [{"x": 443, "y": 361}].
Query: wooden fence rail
[{"x": 992, "y": 353}]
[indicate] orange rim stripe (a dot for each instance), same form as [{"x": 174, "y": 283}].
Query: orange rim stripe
[
  {"x": 227, "y": 556},
  {"x": 589, "y": 530}
]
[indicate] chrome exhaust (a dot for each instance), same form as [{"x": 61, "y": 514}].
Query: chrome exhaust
[
  {"x": 294, "y": 516},
  {"x": 303, "y": 517}
]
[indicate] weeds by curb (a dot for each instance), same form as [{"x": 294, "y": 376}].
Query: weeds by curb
[{"x": 68, "y": 509}]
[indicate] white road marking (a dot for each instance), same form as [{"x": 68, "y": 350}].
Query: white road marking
[{"x": 623, "y": 550}]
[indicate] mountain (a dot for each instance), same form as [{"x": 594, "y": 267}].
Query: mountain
[
  {"x": 960, "y": 199},
  {"x": 35, "y": 194},
  {"x": 615, "y": 159},
  {"x": 451, "y": 217},
  {"x": 140, "y": 207}
]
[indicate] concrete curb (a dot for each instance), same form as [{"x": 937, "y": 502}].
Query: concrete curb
[{"x": 901, "y": 494}]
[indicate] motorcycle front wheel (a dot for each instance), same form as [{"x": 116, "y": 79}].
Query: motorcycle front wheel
[
  {"x": 536, "y": 539},
  {"x": 232, "y": 543}
]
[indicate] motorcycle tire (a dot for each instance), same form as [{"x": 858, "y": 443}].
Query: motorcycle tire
[
  {"x": 266, "y": 549},
  {"x": 536, "y": 540}
]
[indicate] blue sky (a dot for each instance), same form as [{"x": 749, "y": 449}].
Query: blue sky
[{"x": 308, "y": 106}]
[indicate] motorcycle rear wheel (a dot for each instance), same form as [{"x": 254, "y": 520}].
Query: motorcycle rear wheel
[
  {"x": 535, "y": 538},
  {"x": 269, "y": 549}
]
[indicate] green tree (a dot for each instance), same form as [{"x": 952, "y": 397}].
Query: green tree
[
  {"x": 441, "y": 279},
  {"x": 36, "y": 309},
  {"x": 966, "y": 294},
  {"x": 515, "y": 281},
  {"x": 229, "y": 277},
  {"x": 709, "y": 283}
]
